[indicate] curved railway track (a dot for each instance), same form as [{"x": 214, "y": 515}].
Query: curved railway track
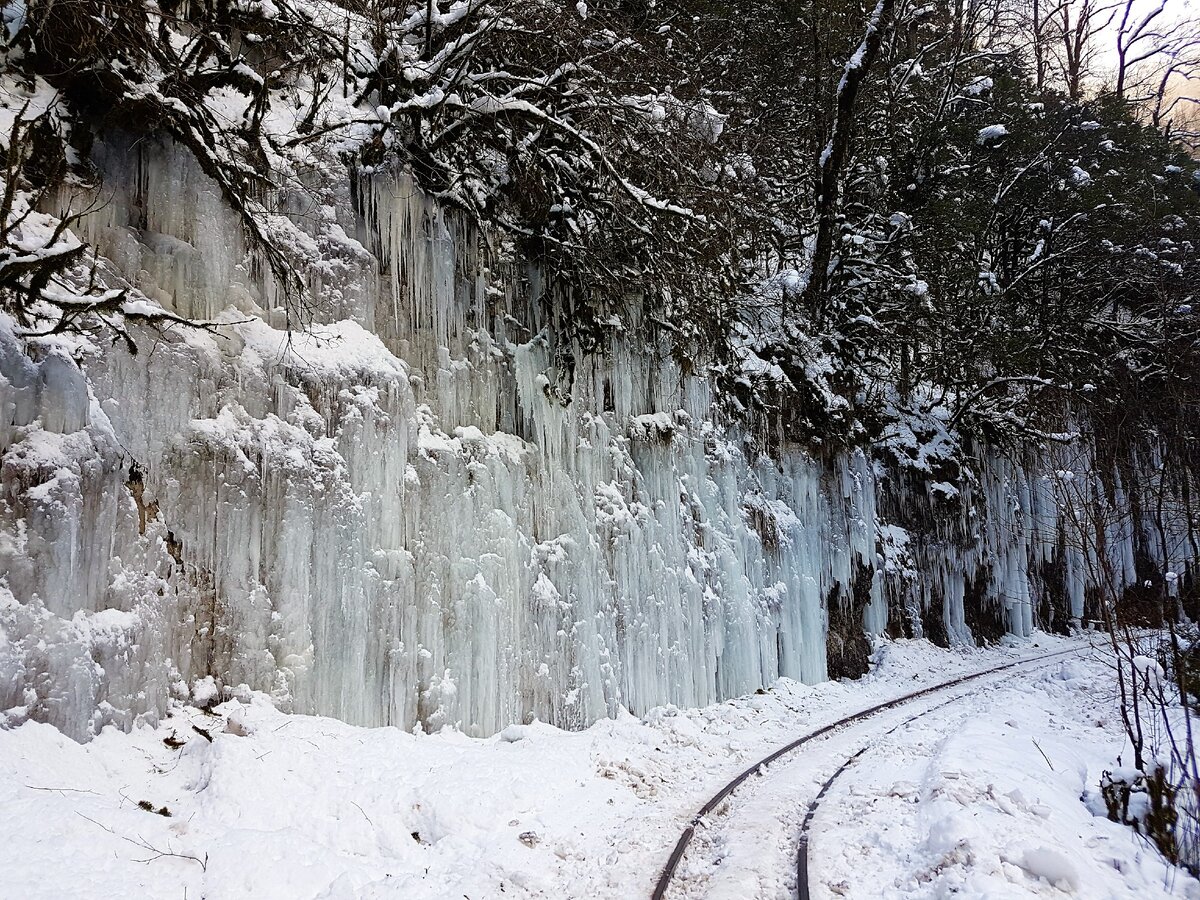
[
  {"x": 802, "y": 888},
  {"x": 677, "y": 854}
]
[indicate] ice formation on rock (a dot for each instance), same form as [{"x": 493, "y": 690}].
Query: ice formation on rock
[{"x": 410, "y": 512}]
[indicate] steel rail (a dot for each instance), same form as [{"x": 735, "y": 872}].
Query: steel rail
[
  {"x": 802, "y": 888},
  {"x": 668, "y": 872}
]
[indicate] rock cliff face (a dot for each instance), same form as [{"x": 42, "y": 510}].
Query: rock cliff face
[{"x": 425, "y": 507}]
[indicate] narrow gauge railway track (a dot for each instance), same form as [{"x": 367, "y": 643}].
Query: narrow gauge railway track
[
  {"x": 802, "y": 888},
  {"x": 681, "y": 846}
]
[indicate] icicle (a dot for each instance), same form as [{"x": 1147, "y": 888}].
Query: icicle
[{"x": 404, "y": 513}]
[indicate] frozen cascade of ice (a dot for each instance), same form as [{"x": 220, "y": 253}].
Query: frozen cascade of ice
[{"x": 411, "y": 513}]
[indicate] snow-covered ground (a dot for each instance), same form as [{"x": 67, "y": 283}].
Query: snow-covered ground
[{"x": 979, "y": 798}]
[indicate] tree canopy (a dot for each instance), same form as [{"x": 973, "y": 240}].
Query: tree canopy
[{"x": 877, "y": 222}]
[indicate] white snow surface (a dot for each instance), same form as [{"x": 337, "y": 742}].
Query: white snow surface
[
  {"x": 983, "y": 799},
  {"x": 961, "y": 803},
  {"x": 991, "y": 133}
]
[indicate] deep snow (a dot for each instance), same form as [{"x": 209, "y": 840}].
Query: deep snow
[{"x": 288, "y": 806}]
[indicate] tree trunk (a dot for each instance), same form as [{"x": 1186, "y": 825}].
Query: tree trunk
[{"x": 837, "y": 151}]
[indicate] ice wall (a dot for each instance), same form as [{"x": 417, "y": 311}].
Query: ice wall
[{"x": 412, "y": 512}]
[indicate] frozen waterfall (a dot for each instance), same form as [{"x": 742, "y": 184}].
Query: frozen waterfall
[{"x": 409, "y": 513}]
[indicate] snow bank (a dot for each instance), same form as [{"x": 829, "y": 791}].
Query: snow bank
[
  {"x": 536, "y": 811},
  {"x": 296, "y": 807}
]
